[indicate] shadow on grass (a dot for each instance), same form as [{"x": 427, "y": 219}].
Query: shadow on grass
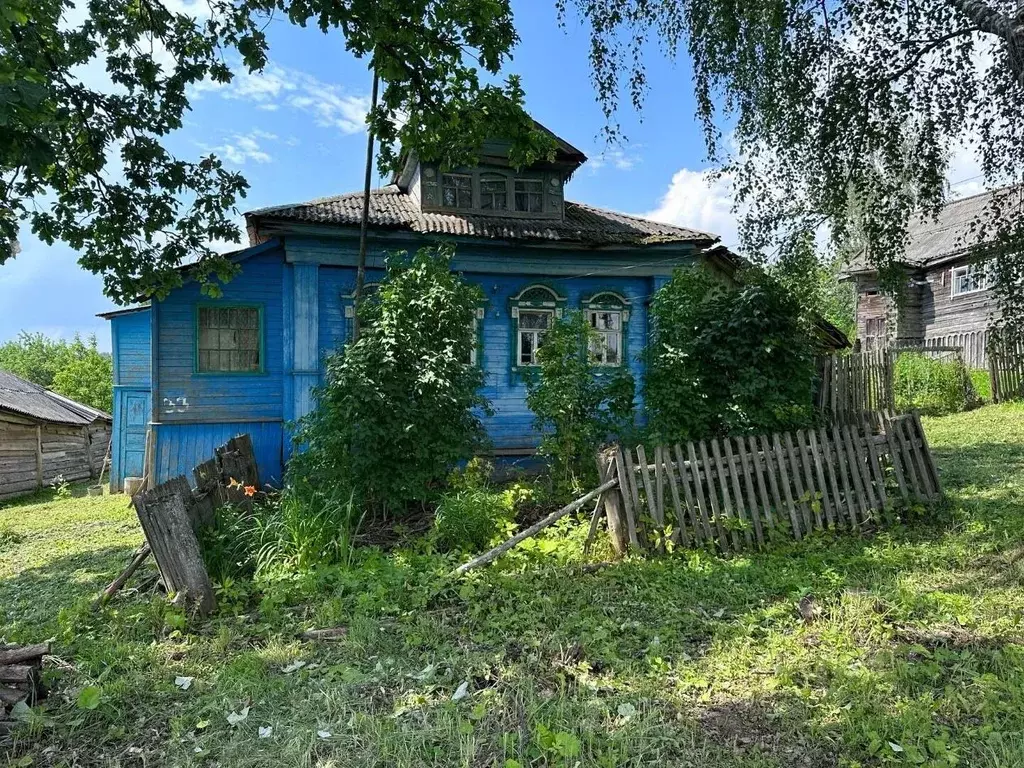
[{"x": 31, "y": 599}]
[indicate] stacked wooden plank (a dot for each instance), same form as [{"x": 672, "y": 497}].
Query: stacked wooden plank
[
  {"x": 20, "y": 668},
  {"x": 736, "y": 493},
  {"x": 172, "y": 515}
]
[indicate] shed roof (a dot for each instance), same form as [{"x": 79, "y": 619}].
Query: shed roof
[
  {"x": 31, "y": 400},
  {"x": 391, "y": 208}
]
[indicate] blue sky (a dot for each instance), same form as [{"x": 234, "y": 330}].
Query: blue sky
[{"x": 296, "y": 133}]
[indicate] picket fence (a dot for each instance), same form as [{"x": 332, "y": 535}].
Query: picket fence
[
  {"x": 1006, "y": 369},
  {"x": 736, "y": 493}
]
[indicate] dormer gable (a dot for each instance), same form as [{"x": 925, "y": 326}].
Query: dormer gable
[{"x": 494, "y": 188}]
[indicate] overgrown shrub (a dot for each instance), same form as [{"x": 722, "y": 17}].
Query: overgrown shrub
[
  {"x": 931, "y": 385},
  {"x": 470, "y": 519},
  {"x": 399, "y": 407},
  {"x": 982, "y": 383},
  {"x": 728, "y": 360},
  {"x": 577, "y": 406},
  {"x": 282, "y": 532}
]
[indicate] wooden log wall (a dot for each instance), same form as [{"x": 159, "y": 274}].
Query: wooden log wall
[
  {"x": 736, "y": 493},
  {"x": 1006, "y": 370},
  {"x": 33, "y": 454}
]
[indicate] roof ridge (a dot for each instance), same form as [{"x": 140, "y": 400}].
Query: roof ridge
[{"x": 387, "y": 188}]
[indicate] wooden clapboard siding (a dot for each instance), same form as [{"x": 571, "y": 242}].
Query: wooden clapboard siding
[
  {"x": 180, "y": 447},
  {"x": 133, "y": 405},
  {"x": 788, "y": 484}
]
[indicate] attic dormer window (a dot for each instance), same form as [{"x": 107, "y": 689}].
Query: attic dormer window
[
  {"x": 529, "y": 195},
  {"x": 457, "y": 190},
  {"x": 493, "y": 192}
]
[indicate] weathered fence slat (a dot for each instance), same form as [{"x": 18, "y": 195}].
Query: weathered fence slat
[
  {"x": 734, "y": 473},
  {"x": 694, "y": 469},
  {"x": 842, "y": 476},
  {"x": 712, "y": 496},
  {"x": 630, "y": 499},
  {"x": 723, "y": 487},
  {"x": 752, "y": 500}
]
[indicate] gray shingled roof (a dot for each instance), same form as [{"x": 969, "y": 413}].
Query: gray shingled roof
[
  {"x": 391, "y": 208},
  {"x": 952, "y": 232},
  {"x": 28, "y": 399}
]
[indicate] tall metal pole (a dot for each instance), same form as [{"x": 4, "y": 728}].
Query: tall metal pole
[{"x": 363, "y": 224}]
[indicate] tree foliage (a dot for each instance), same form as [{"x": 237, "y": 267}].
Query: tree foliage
[
  {"x": 400, "y": 405},
  {"x": 576, "y": 407},
  {"x": 842, "y": 112},
  {"x": 89, "y": 164},
  {"x": 725, "y": 360},
  {"x": 75, "y": 369}
]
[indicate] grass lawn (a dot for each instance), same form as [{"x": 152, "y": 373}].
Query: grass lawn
[{"x": 917, "y": 657}]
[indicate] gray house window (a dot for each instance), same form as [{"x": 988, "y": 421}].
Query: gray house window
[
  {"x": 529, "y": 195},
  {"x": 493, "y": 192},
  {"x": 228, "y": 340},
  {"x": 457, "y": 190}
]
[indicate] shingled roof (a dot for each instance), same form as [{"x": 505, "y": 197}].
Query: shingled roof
[
  {"x": 28, "y": 399},
  {"x": 391, "y": 208},
  {"x": 950, "y": 234}
]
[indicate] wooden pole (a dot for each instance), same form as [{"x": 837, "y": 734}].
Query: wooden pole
[
  {"x": 357, "y": 295},
  {"x": 39, "y": 456},
  {"x": 536, "y": 528}
]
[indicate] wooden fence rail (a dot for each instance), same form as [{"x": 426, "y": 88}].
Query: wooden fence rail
[
  {"x": 1006, "y": 369},
  {"x": 736, "y": 493}
]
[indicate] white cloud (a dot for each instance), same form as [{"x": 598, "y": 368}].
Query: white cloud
[
  {"x": 621, "y": 158},
  {"x": 241, "y": 148},
  {"x": 331, "y": 105},
  {"x": 696, "y": 199}
]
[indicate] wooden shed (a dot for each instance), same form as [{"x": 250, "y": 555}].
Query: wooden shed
[{"x": 44, "y": 436}]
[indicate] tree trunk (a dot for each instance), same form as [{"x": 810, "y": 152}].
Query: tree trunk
[
  {"x": 994, "y": 22},
  {"x": 357, "y": 295}
]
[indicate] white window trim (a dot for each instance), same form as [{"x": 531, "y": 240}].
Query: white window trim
[
  {"x": 964, "y": 270},
  {"x": 535, "y": 332},
  {"x": 478, "y": 317},
  {"x": 614, "y": 302}
]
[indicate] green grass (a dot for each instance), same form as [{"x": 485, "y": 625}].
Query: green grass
[{"x": 916, "y": 658}]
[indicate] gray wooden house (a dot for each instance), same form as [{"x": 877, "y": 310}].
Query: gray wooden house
[
  {"x": 44, "y": 436},
  {"x": 947, "y": 299}
]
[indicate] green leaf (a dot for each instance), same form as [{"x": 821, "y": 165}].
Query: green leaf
[{"x": 89, "y": 697}]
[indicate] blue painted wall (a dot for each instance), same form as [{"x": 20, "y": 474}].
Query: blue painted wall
[
  {"x": 194, "y": 413},
  {"x": 130, "y": 342},
  {"x": 303, "y": 287},
  {"x": 180, "y": 447}
]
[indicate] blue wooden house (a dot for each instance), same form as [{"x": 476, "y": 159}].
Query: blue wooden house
[{"x": 191, "y": 372}]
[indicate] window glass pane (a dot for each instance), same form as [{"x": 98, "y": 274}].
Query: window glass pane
[
  {"x": 529, "y": 195},
  {"x": 526, "y": 348},
  {"x": 533, "y": 319},
  {"x": 228, "y": 340},
  {"x": 612, "y": 349},
  {"x": 493, "y": 193},
  {"x": 457, "y": 190}
]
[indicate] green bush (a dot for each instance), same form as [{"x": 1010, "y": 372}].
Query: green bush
[
  {"x": 982, "y": 383},
  {"x": 724, "y": 360},
  {"x": 400, "y": 405},
  {"x": 577, "y": 407},
  {"x": 282, "y": 532},
  {"x": 75, "y": 369},
  {"x": 932, "y": 386},
  {"x": 470, "y": 519}
]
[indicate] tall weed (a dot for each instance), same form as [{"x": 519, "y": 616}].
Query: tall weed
[{"x": 934, "y": 387}]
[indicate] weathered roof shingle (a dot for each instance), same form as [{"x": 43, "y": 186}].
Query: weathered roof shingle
[
  {"x": 28, "y": 399},
  {"x": 391, "y": 208}
]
